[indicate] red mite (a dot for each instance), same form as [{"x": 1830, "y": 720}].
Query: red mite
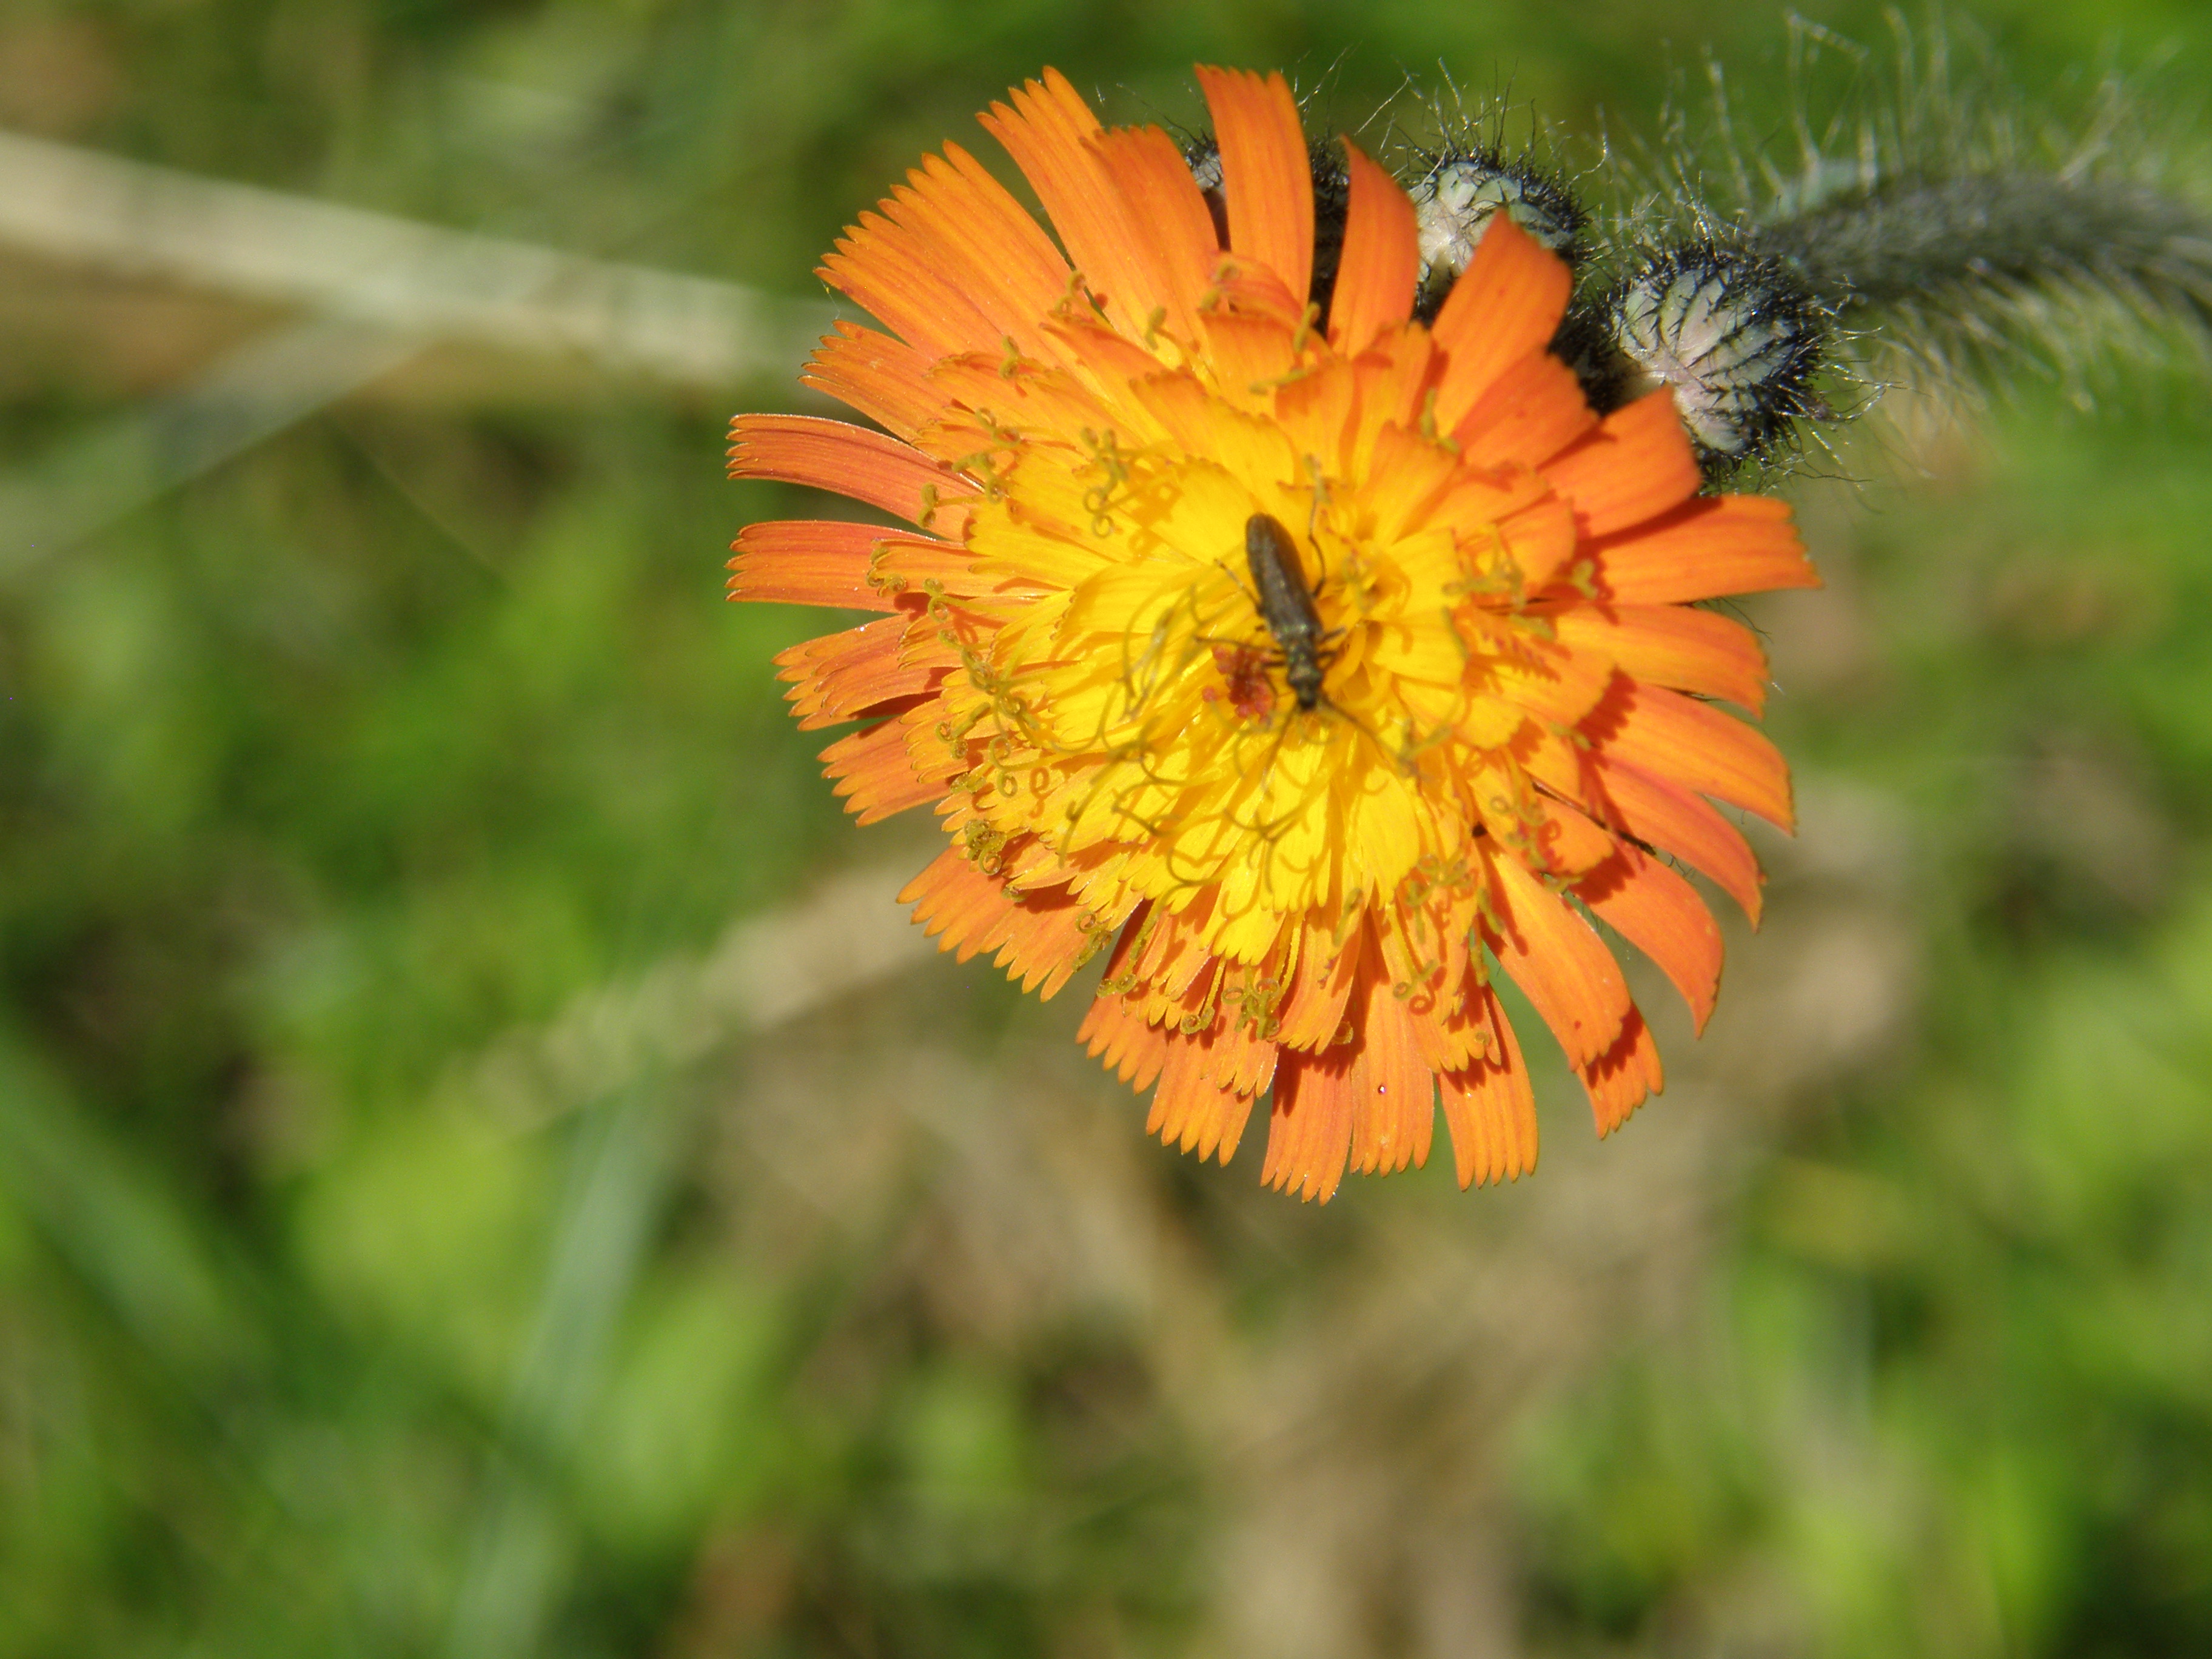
[{"x": 1244, "y": 668}]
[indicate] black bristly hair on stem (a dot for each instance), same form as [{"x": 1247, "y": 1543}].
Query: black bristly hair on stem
[
  {"x": 1965, "y": 252},
  {"x": 1966, "y": 236}
]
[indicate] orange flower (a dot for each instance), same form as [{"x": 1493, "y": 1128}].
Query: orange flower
[{"x": 1309, "y": 809}]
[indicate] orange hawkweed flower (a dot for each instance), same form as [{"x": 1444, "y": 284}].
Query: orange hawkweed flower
[{"x": 1511, "y": 726}]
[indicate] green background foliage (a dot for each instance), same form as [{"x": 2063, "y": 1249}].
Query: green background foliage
[{"x": 334, "y": 781}]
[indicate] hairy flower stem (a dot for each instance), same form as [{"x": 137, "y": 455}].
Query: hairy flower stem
[{"x": 1949, "y": 246}]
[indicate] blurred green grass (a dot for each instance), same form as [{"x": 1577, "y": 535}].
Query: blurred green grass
[{"x": 335, "y": 779}]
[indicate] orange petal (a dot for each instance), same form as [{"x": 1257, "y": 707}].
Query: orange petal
[
  {"x": 1050, "y": 131},
  {"x": 898, "y": 280},
  {"x": 1696, "y": 744},
  {"x": 874, "y": 776},
  {"x": 1705, "y": 549},
  {"x": 1105, "y": 351},
  {"x": 1192, "y": 1111},
  {"x": 1422, "y": 474},
  {"x": 1670, "y": 645},
  {"x": 1266, "y": 173},
  {"x": 797, "y": 562},
  {"x": 1491, "y": 1111},
  {"x": 1553, "y": 957},
  {"x": 1117, "y": 1033},
  {"x": 1249, "y": 288},
  {"x": 1397, "y": 370},
  {"x": 1218, "y": 1016},
  {"x": 842, "y": 676},
  {"x": 902, "y": 565},
  {"x": 1507, "y": 303},
  {"x": 1167, "y": 211},
  {"x": 1394, "y": 1106},
  {"x": 1541, "y": 537},
  {"x": 1534, "y": 410},
  {"x": 1566, "y": 687},
  {"x": 1178, "y": 957},
  {"x": 1316, "y": 408},
  {"x": 1635, "y": 466},
  {"x": 1232, "y": 1111},
  {"x": 1039, "y": 937},
  {"x": 1621, "y": 1078},
  {"x": 1381, "y": 259},
  {"x": 1569, "y": 844},
  {"x": 1241, "y": 1059},
  {"x": 1026, "y": 863},
  {"x": 1190, "y": 417},
  {"x": 1250, "y": 354},
  {"x": 884, "y": 379},
  {"x": 1309, "y": 1130},
  {"x": 1391, "y": 384},
  {"x": 850, "y": 460},
  {"x": 1012, "y": 234},
  {"x": 1313, "y": 1008},
  {"x": 1197, "y": 1010},
  {"x": 1025, "y": 396},
  {"x": 1171, "y": 956},
  {"x": 1447, "y": 1001},
  {"x": 1679, "y": 823},
  {"x": 1045, "y": 939},
  {"x": 984, "y": 243},
  {"x": 1658, "y": 911},
  {"x": 954, "y": 902},
  {"x": 1126, "y": 945},
  {"x": 1480, "y": 500}
]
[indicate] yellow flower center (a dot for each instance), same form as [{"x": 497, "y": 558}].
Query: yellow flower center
[{"x": 1139, "y": 710}]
